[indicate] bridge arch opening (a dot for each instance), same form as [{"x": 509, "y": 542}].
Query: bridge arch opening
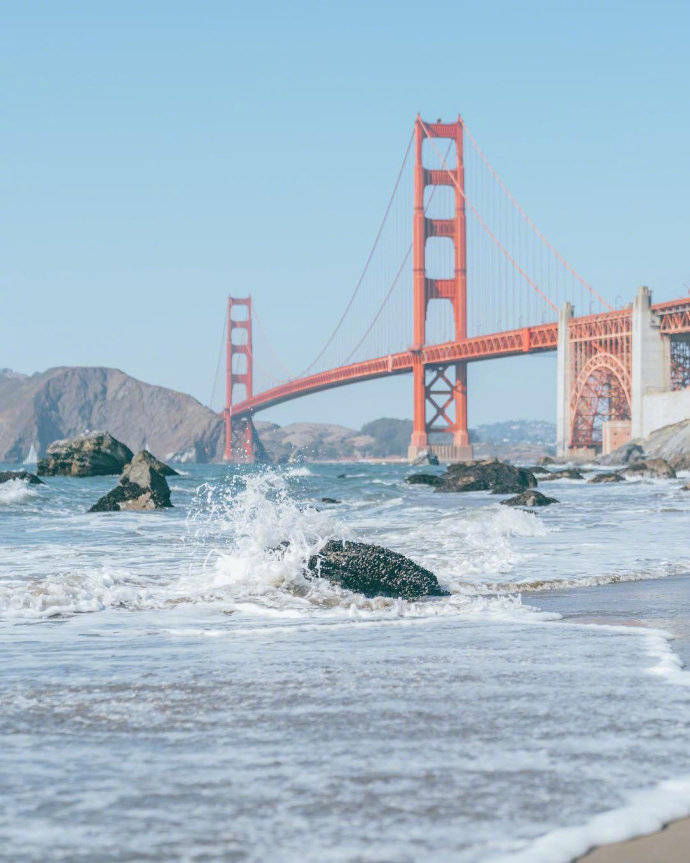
[{"x": 602, "y": 392}]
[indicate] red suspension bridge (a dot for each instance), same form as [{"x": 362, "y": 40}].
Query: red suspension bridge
[{"x": 458, "y": 273}]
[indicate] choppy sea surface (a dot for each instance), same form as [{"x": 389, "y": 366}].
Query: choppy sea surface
[{"x": 174, "y": 689}]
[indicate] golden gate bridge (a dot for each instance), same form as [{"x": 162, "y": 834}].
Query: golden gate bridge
[{"x": 459, "y": 273}]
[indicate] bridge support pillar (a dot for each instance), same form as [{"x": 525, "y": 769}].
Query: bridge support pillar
[
  {"x": 563, "y": 382},
  {"x": 238, "y": 372},
  {"x": 651, "y": 360},
  {"x": 440, "y": 392},
  {"x": 419, "y": 441}
]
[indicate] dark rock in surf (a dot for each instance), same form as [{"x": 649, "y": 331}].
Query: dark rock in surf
[
  {"x": 373, "y": 571},
  {"x": 680, "y": 462},
  {"x": 424, "y": 479},
  {"x": 162, "y": 468},
  {"x": 607, "y": 477},
  {"x": 94, "y": 454},
  {"x": 23, "y": 475},
  {"x": 628, "y": 453},
  {"x": 651, "y": 468},
  {"x": 531, "y": 497},
  {"x": 538, "y": 469},
  {"x": 492, "y": 475},
  {"x": 141, "y": 487},
  {"x": 566, "y": 473}
]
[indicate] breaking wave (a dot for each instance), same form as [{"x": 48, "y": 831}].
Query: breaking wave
[
  {"x": 247, "y": 537},
  {"x": 245, "y": 545},
  {"x": 16, "y": 491}
]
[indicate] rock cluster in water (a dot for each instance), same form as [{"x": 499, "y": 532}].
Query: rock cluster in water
[
  {"x": 23, "y": 475},
  {"x": 607, "y": 477},
  {"x": 94, "y": 454},
  {"x": 650, "y": 468},
  {"x": 142, "y": 486},
  {"x": 492, "y": 475},
  {"x": 531, "y": 497},
  {"x": 424, "y": 479},
  {"x": 373, "y": 571},
  {"x": 566, "y": 473},
  {"x": 538, "y": 469}
]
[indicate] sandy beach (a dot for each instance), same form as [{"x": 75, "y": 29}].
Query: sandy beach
[{"x": 670, "y": 845}]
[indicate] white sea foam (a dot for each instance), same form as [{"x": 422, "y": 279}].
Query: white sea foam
[
  {"x": 461, "y": 546},
  {"x": 505, "y": 720},
  {"x": 532, "y": 586},
  {"x": 645, "y": 812},
  {"x": 248, "y": 543},
  {"x": 74, "y": 594},
  {"x": 16, "y": 491},
  {"x": 301, "y": 470},
  {"x": 667, "y": 663}
]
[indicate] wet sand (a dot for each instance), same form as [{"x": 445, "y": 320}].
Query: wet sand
[
  {"x": 657, "y": 603},
  {"x": 670, "y": 845}
]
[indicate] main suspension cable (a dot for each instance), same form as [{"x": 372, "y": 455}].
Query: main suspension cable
[
  {"x": 366, "y": 265},
  {"x": 531, "y": 224}
]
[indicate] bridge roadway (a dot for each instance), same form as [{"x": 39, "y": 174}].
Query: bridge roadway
[
  {"x": 543, "y": 337},
  {"x": 674, "y": 316}
]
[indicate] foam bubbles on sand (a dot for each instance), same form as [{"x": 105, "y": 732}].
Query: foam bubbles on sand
[{"x": 645, "y": 812}]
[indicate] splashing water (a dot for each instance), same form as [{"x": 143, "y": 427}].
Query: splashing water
[
  {"x": 16, "y": 491},
  {"x": 189, "y": 643}
]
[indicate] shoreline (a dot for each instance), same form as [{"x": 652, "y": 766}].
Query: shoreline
[
  {"x": 654, "y": 836},
  {"x": 670, "y": 844}
]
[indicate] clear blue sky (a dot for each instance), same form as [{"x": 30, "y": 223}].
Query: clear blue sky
[{"x": 159, "y": 155}]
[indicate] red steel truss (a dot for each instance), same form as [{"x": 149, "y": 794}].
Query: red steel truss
[
  {"x": 674, "y": 315},
  {"x": 600, "y": 371},
  {"x": 606, "y": 336}
]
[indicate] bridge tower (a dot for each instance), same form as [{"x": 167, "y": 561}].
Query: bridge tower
[
  {"x": 239, "y": 373},
  {"x": 440, "y": 392}
]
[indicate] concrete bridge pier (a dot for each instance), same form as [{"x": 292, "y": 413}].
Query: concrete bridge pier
[
  {"x": 563, "y": 383},
  {"x": 650, "y": 360}
]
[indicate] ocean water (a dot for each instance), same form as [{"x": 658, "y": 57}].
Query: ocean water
[{"x": 174, "y": 689}]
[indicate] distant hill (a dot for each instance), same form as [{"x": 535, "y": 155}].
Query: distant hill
[
  {"x": 62, "y": 402},
  {"x": 390, "y": 438},
  {"x": 515, "y": 431}
]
